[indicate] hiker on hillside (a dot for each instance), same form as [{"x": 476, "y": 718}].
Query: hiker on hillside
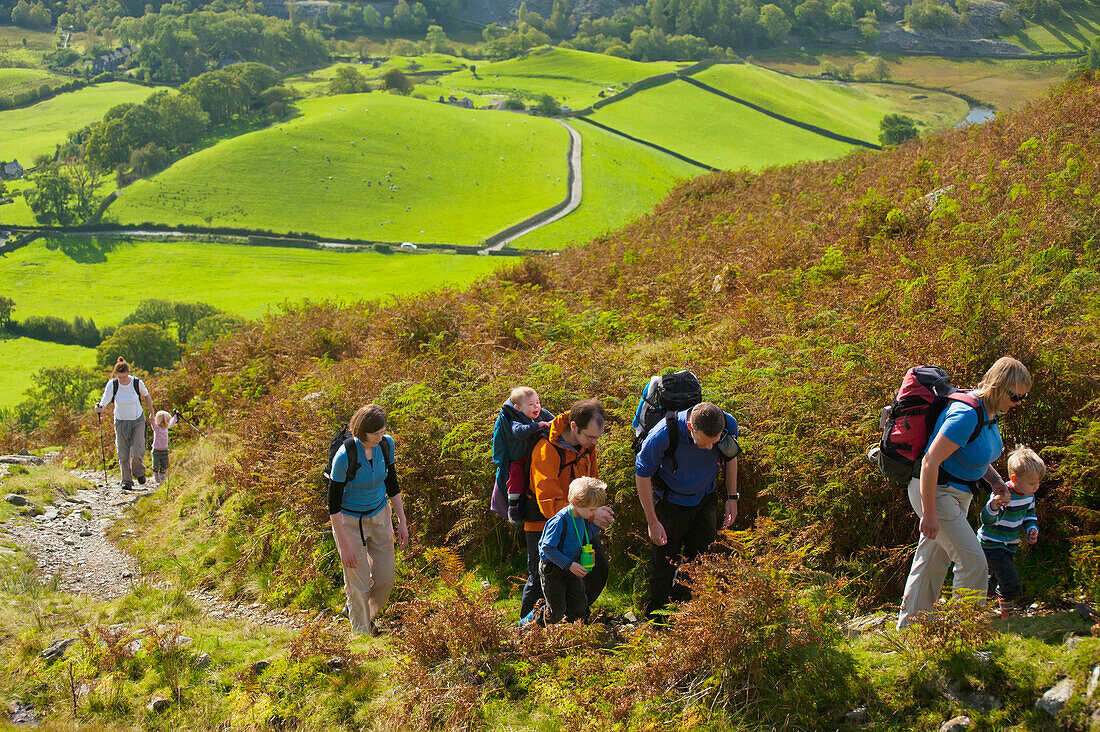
[
  {"x": 361, "y": 504},
  {"x": 128, "y": 393},
  {"x": 676, "y": 476},
  {"x": 569, "y": 452},
  {"x": 955, "y": 460}
]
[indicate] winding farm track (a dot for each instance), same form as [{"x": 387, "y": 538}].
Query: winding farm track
[{"x": 575, "y": 190}]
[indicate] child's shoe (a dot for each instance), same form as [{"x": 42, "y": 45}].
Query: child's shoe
[{"x": 1007, "y": 609}]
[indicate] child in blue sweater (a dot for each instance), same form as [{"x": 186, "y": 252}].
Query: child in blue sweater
[
  {"x": 519, "y": 423},
  {"x": 1004, "y": 518},
  {"x": 565, "y": 551}
]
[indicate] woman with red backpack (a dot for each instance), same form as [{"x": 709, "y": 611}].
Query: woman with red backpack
[{"x": 962, "y": 446}]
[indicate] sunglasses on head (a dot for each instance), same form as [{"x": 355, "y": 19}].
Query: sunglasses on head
[{"x": 1017, "y": 398}]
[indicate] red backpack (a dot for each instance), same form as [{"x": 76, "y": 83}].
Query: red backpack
[{"x": 907, "y": 423}]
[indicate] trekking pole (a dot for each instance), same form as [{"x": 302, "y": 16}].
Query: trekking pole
[
  {"x": 102, "y": 449},
  {"x": 190, "y": 423}
]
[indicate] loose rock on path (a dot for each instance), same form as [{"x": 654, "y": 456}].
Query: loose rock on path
[{"x": 69, "y": 540}]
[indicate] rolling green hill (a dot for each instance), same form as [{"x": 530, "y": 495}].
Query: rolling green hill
[
  {"x": 713, "y": 130},
  {"x": 80, "y": 277},
  {"x": 373, "y": 166},
  {"x": 36, "y": 130},
  {"x": 13, "y": 81},
  {"x": 573, "y": 78},
  {"x": 851, "y": 109},
  {"x": 622, "y": 181}
]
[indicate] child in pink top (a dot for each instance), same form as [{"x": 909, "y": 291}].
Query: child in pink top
[{"x": 162, "y": 422}]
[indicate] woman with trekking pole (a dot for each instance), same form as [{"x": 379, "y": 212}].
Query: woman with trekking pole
[
  {"x": 127, "y": 393},
  {"x": 963, "y": 445}
]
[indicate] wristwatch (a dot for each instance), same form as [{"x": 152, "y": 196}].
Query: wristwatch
[{"x": 734, "y": 497}]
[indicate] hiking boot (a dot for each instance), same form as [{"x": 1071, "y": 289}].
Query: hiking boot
[
  {"x": 141, "y": 479},
  {"x": 127, "y": 486}
]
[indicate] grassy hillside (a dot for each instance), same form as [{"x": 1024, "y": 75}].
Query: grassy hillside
[
  {"x": 25, "y": 357},
  {"x": 13, "y": 81},
  {"x": 713, "y": 130},
  {"x": 36, "y": 130},
  {"x": 372, "y": 166},
  {"x": 1004, "y": 83},
  {"x": 79, "y": 277},
  {"x": 799, "y": 296},
  {"x": 1072, "y": 30},
  {"x": 573, "y": 78},
  {"x": 854, "y": 109},
  {"x": 622, "y": 181}
]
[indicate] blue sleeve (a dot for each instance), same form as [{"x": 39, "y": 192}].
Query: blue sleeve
[
  {"x": 731, "y": 424},
  {"x": 522, "y": 431},
  {"x": 339, "y": 469},
  {"x": 551, "y": 537},
  {"x": 648, "y": 460},
  {"x": 959, "y": 423}
]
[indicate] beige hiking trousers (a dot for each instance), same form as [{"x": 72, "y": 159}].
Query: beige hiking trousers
[
  {"x": 956, "y": 543},
  {"x": 368, "y": 586}
]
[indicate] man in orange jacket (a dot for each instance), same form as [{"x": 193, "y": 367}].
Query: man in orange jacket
[{"x": 568, "y": 452}]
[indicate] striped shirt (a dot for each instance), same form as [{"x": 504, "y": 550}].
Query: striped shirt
[{"x": 1001, "y": 529}]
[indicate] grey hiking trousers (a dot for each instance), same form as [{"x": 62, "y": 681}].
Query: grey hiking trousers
[{"x": 130, "y": 443}]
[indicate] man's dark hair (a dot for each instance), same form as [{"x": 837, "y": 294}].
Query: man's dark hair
[
  {"x": 708, "y": 418},
  {"x": 586, "y": 410}
]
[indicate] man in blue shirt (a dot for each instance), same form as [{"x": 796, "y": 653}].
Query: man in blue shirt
[{"x": 676, "y": 476}]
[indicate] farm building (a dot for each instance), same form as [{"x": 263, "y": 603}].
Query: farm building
[
  {"x": 11, "y": 171},
  {"x": 112, "y": 60}
]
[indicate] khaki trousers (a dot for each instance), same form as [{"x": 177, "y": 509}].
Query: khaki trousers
[
  {"x": 956, "y": 543},
  {"x": 130, "y": 443},
  {"x": 368, "y": 586}
]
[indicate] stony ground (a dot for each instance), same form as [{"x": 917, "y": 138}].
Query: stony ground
[{"x": 69, "y": 540}]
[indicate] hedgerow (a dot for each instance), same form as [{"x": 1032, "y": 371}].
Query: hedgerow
[{"x": 799, "y": 296}]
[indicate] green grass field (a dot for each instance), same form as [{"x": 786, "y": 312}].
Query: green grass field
[
  {"x": 13, "y": 81},
  {"x": 17, "y": 213},
  {"x": 1004, "y": 83},
  {"x": 713, "y": 130},
  {"x": 573, "y": 78},
  {"x": 36, "y": 130},
  {"x": 1071, "y": 31},
  {"x": 80, "y": 276},
  {"x": 622, "y": 181},
  {"x": 373, "y": 166},
  {"x": 315, "y": 83},
  {"x": 25, "y": 357},
  {"x": 13, "y": 52},
  {"x": 852, "y": 109}
]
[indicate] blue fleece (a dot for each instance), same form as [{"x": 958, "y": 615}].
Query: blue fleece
[
  {"x": 512, "y": 439},
  {"x": 365, "y": 495},
  {"x": 969, "y": 462},
  {"x": 560, "y": 542},
  {"x": 697, "y": 469}
]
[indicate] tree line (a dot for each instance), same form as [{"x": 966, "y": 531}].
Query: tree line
[
  {"x": 137, "y": 140},
  {"x": 152, "y": 337}
]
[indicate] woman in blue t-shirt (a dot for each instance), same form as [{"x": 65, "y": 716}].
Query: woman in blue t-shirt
[
  {"x": 962, "y": 447},
  {"x": 361, "y": 508}
]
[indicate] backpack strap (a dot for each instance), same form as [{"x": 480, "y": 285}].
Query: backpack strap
[
  {"x": 387, "y": 452},
  {"x": 975, "y": 404},
  {"x": 352, "y": 452},
  {"x": 114, "y": 390},
  {"x": 673, "y": 427}
]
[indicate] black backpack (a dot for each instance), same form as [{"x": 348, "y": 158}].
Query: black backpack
[
  {"x": 662, "y": 395},
  {"x": 344, "y": 438},
  {"x": 134, "y": 381}
]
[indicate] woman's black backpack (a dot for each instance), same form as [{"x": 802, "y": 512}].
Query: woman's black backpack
[{"x": 344, "y": 438}]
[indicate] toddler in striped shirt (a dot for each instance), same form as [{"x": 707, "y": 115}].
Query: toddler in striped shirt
[{"x": 1004, "y": 518}]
